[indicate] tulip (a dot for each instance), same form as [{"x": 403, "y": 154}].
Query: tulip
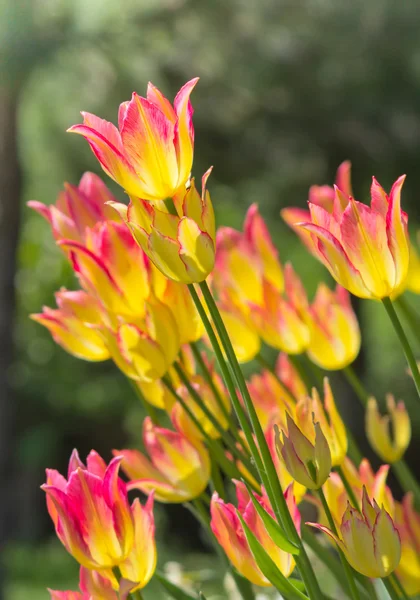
[
  {"x": 378, "y": 429},
  {"x": 311, "y": 408},
  {"x": 180, "y": 245},
  {"x": 151, "y": 153},
  {"x": 178, "y": 470},
  {"x": 229, "y": 532},
  {"x": 78, "y": 208},
  {"x": 335, "y": 334},
  {"x": 413, "y": 276},
  {"x": 358, "y": 478},
  {"x": 407, "y": 521},
  {"x": 93, "y": 585},
  {"x": 72, "y": 325},
  {"x": 250, "y": 282},
  {"x": 270, "y": 398},
  {"x": 178, "y": 298},
  {"x": 308, "y": 462},
  {"x": 283, "y": 474},
  {"x": 90, "y": 511},
  {"x": 369, "y": 540},
  {"x": 290, "y": 377},
  {"x": 183, "y": 422}
]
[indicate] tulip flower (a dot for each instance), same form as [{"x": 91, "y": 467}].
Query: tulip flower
[
  {"x": 389, "y": 447},
  {"x": 270, "y": 398},
  {"x": 311, "y": 408},
  {"x": 407, "y": 521},
  {"x": 183, "y": 422},
  {"x": 90, "y": 511},
  {"x": 283, "y": 474},
  {"x": 358, "y": 478},
  {"x": 180, "y": 245},
  {"x": 229, "y": 532},
  {"x": 72, "y": 325},
  {"x": 369, "y": 540},
  {"x": 366, "y": 249},
  {"x": 250, "y": 281},
  {"x": 335, "y": 334},
  {"x": 290, "y": 377},
  {"x": 413, "y": 276},
  {"x": 78, "y": 208},
  {"x": 178, "y": 469},
  {"x": 308, "y": 462},
  {"x": 93, "y": 585},
  {"x": 151, "y": 153}
]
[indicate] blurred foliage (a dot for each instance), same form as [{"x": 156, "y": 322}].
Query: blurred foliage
[{"x": 288, "y": 90}]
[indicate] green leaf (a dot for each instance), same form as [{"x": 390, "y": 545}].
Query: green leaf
[
  {"x": 269, "y": 568},
  {"x": 173, "y": 590},
  {"x": 273, "y": 528}
]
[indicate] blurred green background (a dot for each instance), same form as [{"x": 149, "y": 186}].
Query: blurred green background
[{"x": 288, "y": 90}]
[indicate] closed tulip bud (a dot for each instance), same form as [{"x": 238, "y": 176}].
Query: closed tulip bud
[
  {"x": 178, "y": 470},
  {"x": 283, "y": 474},
  {"x": 311, "y": 409},
  {"x": 390, "y": 447},
  {"x": 72, "y": 325},
  {"x": 369, "y": 540},
  {"x": 229, "y": 532},
  {"x": 407, "y": 521},
  {"x": 150, "y": 155},
  {"x": 90, "y": 511},
  {"x": 366, "y": 249},
  {"x": 308, "y": 462},
  {"x": 335, "y": 334},
  {"x": 183, "y": 422},
  {"x": 78, "y": 208}
]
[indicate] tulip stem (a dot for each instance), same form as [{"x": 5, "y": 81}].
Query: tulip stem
[
  {"x": 261, "y": 454},
  {"x": 137, "y": 595},
  {"x": 222, "y": 432},
  {"x": 356, "y": 384},
  {"x": 389, "y": 307},
  {"x": 207, "y": 375},
  {"x": 354, "y": 592},
  {"x": 397, "y": 584},
  {"x": 390, "y": 588},
  {"x": 412, "y": 318},
  {"x": 348, "y": 488}
]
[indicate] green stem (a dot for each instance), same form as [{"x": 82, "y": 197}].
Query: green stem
[
  {"x": 350, "y": 493},
  {"x": 356, "y": 384},
  {"x": 397, "y": 584},
  {"x": 407, "y": 480},
  {"x": 266, "y": 365},
  {"x": 222, "y": 432},
  {"x": 354, "y": 592},
  {"x": 261, "y": 455},
  {"x": 137, "y": 595},
  {"x": 388, "y": 583},
  {"x": 389, "y": 307}
]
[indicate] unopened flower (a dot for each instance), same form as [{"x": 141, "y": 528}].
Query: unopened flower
[
  {"x": 366, "y": 249},
  {"x": 285, "y": 478},
  {"x": 369, "y": 540},
  {"x": 78, "y": 208},
  {"x": 180, "y": 245},
  {"x": 311, "y": 409},
  {"x": 335, "y": 334},
  {"x": 151, "y": 153},
  {"x": 229, "y": 532},
  {"x": 90, "y": 511},
  {"x": 389, "y": 435},
  {"x": 308, "y": 462},
  {"x": 178, "y": 470},
  {"x": 72, "y": 325}
]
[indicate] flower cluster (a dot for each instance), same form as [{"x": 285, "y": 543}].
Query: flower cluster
[{"x": 159, "y": 288}]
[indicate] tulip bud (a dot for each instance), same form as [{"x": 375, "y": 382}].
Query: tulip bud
[
  {"x": 308, "y": 463},
  {"x": 151, "y": 154},
  {"x": 335, "y": 334},
  {"x": 178, "y": 470},
  {"x": 369, "y": 540},
  {"x": 78, "y": 208},
  {"x": 283, "y": 474},
  {"x": 90, "y": 511},
  {"x": 389, "y": 448},
  {"x": 229, "y": 532},
  {"x": 311, "y": 408}
]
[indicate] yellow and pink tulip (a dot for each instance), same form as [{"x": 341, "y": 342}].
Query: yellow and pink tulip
[{"x": 390, "y": 434}]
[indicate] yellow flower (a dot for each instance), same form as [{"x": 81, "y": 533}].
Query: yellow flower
[{"x": 389, "y": 447}]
